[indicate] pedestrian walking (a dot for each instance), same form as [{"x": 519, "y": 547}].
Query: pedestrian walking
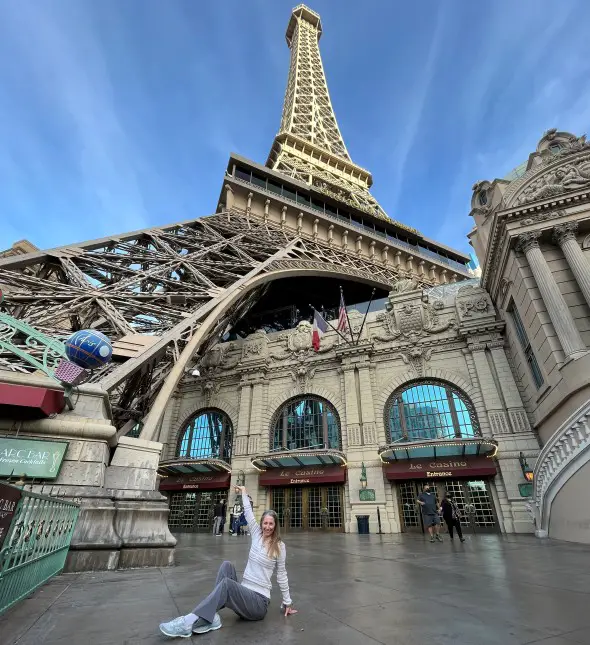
[
  {"x": 430, "y": 512},
  {"x": 250, "y": 598},
  {"x": 218, "y": 515},
  {"x": 452, "y": 516},
  {"x": 235, "y": 518}
]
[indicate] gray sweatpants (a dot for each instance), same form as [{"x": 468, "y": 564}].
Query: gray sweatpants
[{"x": 230, "y": 593}]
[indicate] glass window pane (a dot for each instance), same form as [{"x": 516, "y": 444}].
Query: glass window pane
[
  {"x": 428, "y": 414},
  {"x": 203, "y": 435},
  {"x": 305, "y": 426},
  {"x": 242, "y": 174}
]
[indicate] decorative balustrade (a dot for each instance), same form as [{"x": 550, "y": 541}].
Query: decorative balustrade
[{"x": 556, "y": 461}]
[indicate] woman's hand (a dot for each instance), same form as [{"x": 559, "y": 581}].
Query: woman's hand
[
  {"x": 240, "y": 489},
  {"x": 289, "y": 610}
]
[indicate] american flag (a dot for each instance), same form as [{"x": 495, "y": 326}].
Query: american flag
[{"x": 342, "y": 318}]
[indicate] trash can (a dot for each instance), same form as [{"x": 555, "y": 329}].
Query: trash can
[{"x": 363, "y": 524}]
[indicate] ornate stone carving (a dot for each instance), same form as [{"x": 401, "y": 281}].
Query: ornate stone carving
[
  {"x": 527, "y": 241},
  {"x": 542, "y": 217},
  {"x": 353, "y": 432},
  {"x": 499, "y": 422},
  {"x": 473, "y": 301},
  {"x": 556, "y": 181},
  {"x": 416, "y": 357},
  {"x": 405, "y": 284},
  {"x": 302, "y": 375},
  {"x": 216, "y": 359},
  {"x": 300, "y": 338},
  {"x": 505, "y": 285},
  {"x": 563, "y": 232},
  {"x": 209, "y": 389},
  {"x": 412, "y": 320},
  {"x": 369, "y": 433}
]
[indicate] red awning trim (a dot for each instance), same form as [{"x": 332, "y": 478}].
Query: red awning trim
[
  {"x": 43, "y": 399},
  {"x": 443, "y": 468},
  {"x": 302, "y": 476}
]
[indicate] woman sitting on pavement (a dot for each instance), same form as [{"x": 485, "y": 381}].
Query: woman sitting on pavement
[{"x": 250, "y": 598}]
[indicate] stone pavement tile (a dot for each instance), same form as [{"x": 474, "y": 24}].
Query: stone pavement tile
[
  {"x": 578, "y": 635},
  {"x": 417, "y": 621},
  {"x": 550, "y": 612},
  {"x": 113, "y": 624},
  {"x": 555, "y": 640},
  {"x": 308, "y": 627},
  {"x": 17, "y": 620},
  {"x": 119, "y": 592}
]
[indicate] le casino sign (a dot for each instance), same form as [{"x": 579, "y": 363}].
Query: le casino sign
[
  {"x": 433, "y": 468},
  {"x": 301, "y": 476}
]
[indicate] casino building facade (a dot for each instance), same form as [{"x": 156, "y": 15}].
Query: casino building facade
[{"x": 427, "y": 394}]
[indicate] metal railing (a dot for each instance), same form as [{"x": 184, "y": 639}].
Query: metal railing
[{"x": 36, "y": 544}]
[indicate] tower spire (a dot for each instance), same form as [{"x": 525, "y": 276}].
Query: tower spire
[{"x": 309, "y": 145}]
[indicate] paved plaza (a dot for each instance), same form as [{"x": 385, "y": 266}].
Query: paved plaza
[{"x": 349, "y": 589}]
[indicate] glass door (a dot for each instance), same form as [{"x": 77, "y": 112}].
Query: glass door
[{"x": 313, "y": 508}]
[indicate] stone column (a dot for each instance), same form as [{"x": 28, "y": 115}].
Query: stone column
[
  {"x": 489, "y": 391},
  {"x": 241, "y": 433},
  {"x": 367, "y": 407},
  {"x": 559, "y": 313},
  {"x": 565, "y": 236},
  {"x": 353, "y": 423},
  {"x": 258, "y": 436}
]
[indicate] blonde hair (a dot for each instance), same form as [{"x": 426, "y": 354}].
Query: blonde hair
[{"x": 274, "y": 543}]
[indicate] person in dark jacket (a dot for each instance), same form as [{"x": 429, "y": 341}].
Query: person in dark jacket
[
  {"x": 219, "y": 515},
  {"x": 452, "y": 516}
]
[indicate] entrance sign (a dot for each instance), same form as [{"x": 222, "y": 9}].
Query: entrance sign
[
  {"x": 433, "y": 468},
  {"x": 206, "y": 481},
  {"x": 33, "y": 458},
  {"x": 302, "y": 475}
]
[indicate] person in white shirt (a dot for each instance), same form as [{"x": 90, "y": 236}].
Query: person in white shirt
[{"x": 250, "y": 598}]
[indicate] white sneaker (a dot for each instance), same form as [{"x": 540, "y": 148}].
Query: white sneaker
[{"x": 202, "y": 626}]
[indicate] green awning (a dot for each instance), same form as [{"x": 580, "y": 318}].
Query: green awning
[
  {"x": 294, "y": 458},
  {"x": 191, "y": 466},
  {"x": 434, "y": 449}
]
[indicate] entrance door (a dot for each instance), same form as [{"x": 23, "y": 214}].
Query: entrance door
[
  {"x": 191, "y": 512},
  {"x": 310, "y": 508},
  {"x": 472, "y": 496}
]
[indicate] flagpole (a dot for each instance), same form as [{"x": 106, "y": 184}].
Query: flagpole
[
  {"x": 365, "y": 318},
  {"x": 347, "y": 318},
  {"x": 330, "y": 324}
]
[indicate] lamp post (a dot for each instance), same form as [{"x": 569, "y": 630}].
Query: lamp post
[
  {"x": 365, "y": 494},
  {"x": 526, "y": 490}
]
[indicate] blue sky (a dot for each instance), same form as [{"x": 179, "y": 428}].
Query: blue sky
[{"x": 120, "y": 114}]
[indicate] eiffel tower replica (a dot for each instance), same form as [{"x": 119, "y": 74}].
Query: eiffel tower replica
[{"x": 165, "y": 295}]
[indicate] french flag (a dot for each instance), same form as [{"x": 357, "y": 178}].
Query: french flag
[{"x": 320, "y": 326}]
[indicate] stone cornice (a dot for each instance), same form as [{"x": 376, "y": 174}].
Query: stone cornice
[{"x": 539, "y": 212}]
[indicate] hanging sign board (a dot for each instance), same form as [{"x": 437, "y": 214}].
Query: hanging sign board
[{"x": 31, "y": 458}]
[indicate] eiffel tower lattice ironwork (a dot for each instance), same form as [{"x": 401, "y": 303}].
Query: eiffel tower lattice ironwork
[
  {"x": 165, "y": 294},
  {"x": 309, "y": 145},
  {"x": 157, "y": 287}
]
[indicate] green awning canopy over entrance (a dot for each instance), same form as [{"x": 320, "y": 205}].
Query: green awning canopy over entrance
[
  {"x": 435, "y": 449},
  {"x": 192, "y": 466},
  {"x": 294, "y": 458}
]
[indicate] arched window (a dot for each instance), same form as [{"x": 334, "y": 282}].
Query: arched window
[
  {"x": 306, "y": 422},
  {"x": 430, "y": 410},
  {"x": 208, "y": 434}
]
